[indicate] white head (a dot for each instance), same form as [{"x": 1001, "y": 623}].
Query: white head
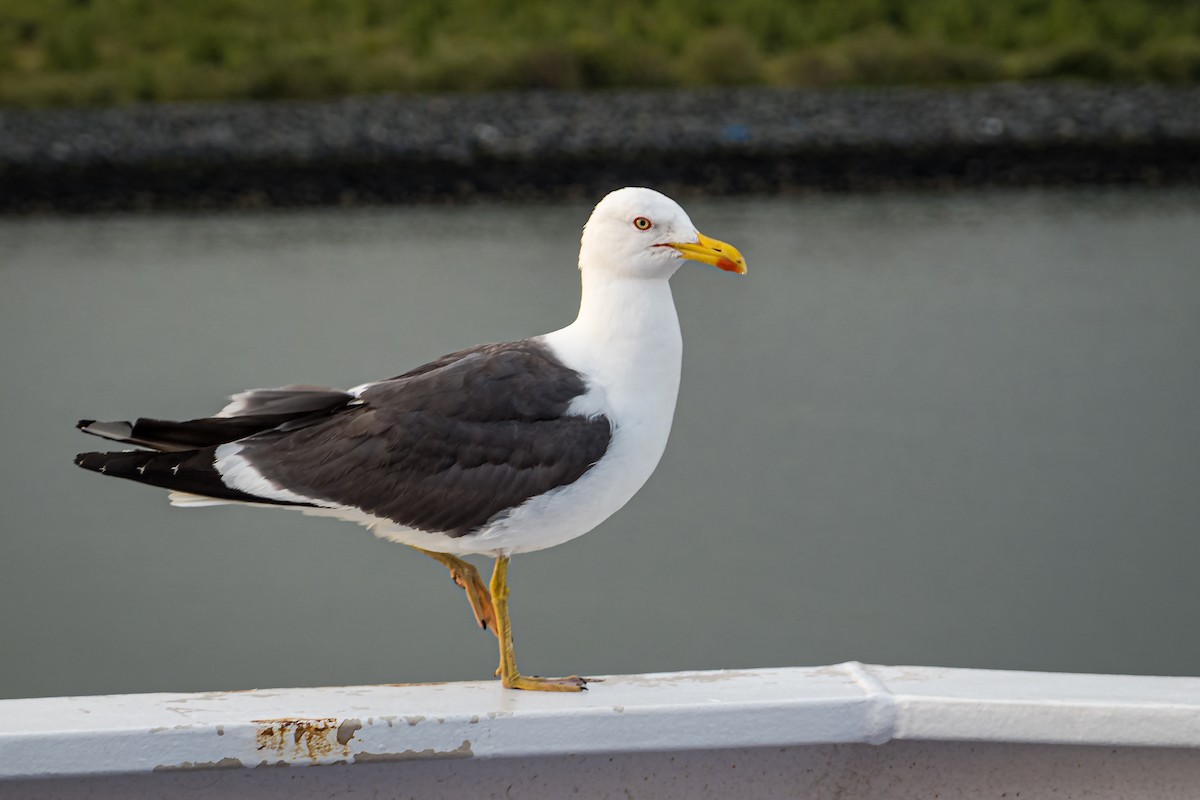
[{"x": 640, "y": 233}]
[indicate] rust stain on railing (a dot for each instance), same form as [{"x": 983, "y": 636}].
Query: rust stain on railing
[{"x": 299, "y": 738}]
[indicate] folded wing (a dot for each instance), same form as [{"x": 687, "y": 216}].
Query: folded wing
[{"x": 445, "y": 447}]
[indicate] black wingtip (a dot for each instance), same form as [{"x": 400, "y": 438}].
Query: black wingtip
[
  {"x": 83, "y": 423},
  {"x": 190, "y": 471},
  {"x": 101, "y": 462},
  {"x": 82, "y": 458}
]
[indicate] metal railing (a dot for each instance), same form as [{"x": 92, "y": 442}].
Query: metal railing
[{"x": 690, "y": 718}]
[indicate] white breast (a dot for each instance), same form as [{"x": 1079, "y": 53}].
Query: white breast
[{"x": 631, "y": 366}]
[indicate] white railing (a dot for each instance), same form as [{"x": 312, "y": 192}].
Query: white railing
[{"x": 777, "y": 720}]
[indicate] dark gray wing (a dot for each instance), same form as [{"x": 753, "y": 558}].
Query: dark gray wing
[{"x": 447, "y": 446}]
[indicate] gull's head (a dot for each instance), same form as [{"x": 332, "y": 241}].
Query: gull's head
[{"x": 641, "y": 233}]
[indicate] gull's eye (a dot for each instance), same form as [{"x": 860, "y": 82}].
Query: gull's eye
[{"x": 642, "y": 224}]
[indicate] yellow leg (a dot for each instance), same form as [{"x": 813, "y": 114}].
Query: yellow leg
[
  {"x": 509, "y": 676},
  {"x": 466, "y": 576}
]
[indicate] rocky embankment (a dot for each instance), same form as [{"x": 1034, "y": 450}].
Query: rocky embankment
[{"x": 543, "y": 144}]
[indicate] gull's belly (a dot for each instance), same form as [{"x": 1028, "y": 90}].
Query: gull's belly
[{"x": 571, "y": 511}]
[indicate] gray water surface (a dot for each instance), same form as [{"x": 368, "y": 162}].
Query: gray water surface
[{"x": 954, "y": 429}]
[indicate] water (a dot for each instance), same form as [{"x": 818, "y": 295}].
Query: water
[{"x": 951, "y": 429}]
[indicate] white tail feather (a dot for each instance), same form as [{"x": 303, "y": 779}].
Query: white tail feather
[{"x": 188, "y": 500}]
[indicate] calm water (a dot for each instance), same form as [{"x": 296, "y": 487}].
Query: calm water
[{"x": 957, "y": 430}]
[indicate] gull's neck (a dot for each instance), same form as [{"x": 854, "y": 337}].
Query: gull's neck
[{"x": 626, "y": 340}]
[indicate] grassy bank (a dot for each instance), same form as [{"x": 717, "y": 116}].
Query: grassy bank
[{"x": 100, "y": 52}]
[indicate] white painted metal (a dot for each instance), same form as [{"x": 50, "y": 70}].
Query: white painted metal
[{"x": 695, "y": 717}]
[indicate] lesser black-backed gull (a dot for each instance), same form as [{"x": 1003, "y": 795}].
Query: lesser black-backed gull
[{"x": 497, "y": 449}]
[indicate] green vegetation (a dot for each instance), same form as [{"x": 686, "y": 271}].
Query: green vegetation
[{"x": 100, "y": 52}]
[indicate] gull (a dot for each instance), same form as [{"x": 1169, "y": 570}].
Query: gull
[{"x": 497, "y": 449}]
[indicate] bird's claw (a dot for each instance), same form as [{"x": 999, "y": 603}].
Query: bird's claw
[{"x": 534, "y": 683}]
